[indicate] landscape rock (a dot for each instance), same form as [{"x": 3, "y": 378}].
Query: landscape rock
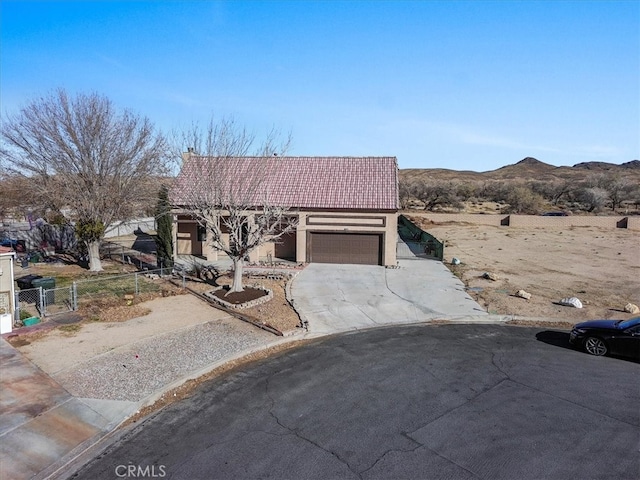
[
  {"x": 455, "y": 261},
  {"x": 523, "y": 294},
  {"x": 571, "y": 302},
  {"x": 490, "y": 276},
  {"x": 631, "y": 308}
]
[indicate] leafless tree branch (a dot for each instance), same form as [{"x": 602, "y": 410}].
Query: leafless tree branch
[
  {"x": 229, "y": 194},
  {"x": 81, "y": 153}
]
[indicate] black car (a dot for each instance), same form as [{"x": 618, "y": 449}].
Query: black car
[{"x": 603, "y": 337}]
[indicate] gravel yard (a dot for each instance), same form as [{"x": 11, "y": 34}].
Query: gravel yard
[
  {"x": 138, "y": 370},
  {"x": 181, "y": 334}
]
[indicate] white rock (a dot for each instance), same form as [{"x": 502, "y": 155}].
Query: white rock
[
  {"x": 631, "y": 308},
  {"x": 490, "y": 276},
  {"x": 523, "y": 294},
  {"x": 455, "y": 261},
  {"x": 571, "y": 302}
]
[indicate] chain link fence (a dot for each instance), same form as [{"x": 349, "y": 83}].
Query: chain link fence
[
  {"x": 418, "y": 242},
  {"x": 42, "y": 302}
]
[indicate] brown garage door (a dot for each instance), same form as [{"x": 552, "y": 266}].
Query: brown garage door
[{"x": 360, "y": 248}]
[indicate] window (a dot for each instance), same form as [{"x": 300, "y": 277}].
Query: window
[{"x": 202, "y": 234}]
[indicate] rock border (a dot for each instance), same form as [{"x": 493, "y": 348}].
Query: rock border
[{"x": 241, "y": 306}]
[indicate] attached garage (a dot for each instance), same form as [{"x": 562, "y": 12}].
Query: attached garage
[{"x": 357, "y": 248}]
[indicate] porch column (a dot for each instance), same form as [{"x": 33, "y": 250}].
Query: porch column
[{"x": 301, "y": 238}]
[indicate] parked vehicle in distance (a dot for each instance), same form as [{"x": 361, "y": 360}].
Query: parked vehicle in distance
[
  {"x": 17, "y": 245},
  {"x": 8, "y": 242},
  {"x": 605, "y": 337},
  {"x": 555, "y": 214}
]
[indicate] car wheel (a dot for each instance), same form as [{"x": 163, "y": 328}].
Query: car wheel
[{"x": 595, "y": 346}]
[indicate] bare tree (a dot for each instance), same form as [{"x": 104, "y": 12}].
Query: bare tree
[
  {"x": 593, "y": 198},
  {"x": 437, "y": 193},
  {"x": 228, "y": 192},
  {"x": 14, "y": 201},
  {"x": 407, "y": 192},
  {"x": 553, "y": 191},
  {"x": 619, "y": 189},
  {"x": 80, "y": 153}
]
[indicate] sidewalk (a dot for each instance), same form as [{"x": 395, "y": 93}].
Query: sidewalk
[{"x": 43, "y": 424}]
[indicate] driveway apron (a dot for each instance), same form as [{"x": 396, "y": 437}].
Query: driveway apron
[{"x": 335, "y": 298}]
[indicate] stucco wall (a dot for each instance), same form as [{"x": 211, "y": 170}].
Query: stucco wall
[
  {"x": 117, "y": 229},
  {"x": 6, "y": 284},
  {"x": 348, "y": 222},
  {"x": 631, "y": 223}
]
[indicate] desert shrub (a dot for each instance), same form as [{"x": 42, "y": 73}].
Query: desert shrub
[{"x": 523, "y": 200}]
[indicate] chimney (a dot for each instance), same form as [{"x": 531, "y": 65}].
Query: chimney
[{"x": 190, "y": 151}]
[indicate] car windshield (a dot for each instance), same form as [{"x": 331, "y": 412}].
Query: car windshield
[{"x": 629, "y": 323}]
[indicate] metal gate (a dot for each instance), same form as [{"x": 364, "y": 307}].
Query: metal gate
[
  {"x": 40, "y": 302},
  {"x": 58, "y": 300}
]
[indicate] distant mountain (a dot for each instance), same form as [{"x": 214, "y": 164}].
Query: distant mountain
[
  {"x": 531, "y": 162},
  {"x": 527, "y": 169},
  {"x": 607, "y": 166},
  {"x": 632, "y": 164}
]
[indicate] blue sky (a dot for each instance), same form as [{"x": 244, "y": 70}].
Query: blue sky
[{"x": 466, "y": 85}]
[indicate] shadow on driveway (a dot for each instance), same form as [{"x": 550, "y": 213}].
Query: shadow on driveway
[{"x": 555, "y": 338}]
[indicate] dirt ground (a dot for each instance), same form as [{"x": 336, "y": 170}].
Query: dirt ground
[
  {"x": 276, "y": 313},
  {"x": 600, "y": 267},
  {"x": 60, "y": 348}
]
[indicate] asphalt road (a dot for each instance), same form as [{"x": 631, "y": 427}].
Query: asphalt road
[{"x": 423, "y": 402}]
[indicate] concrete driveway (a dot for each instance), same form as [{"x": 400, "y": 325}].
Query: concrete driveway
[{"x": 336, "y": 298}]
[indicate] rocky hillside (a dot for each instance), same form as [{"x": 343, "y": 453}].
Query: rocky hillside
[{"x": 528, "y": 169}]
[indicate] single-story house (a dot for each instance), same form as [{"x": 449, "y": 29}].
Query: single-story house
[
  {"x": 7, "y": 289},
  {"x": 346, "y": 208}
]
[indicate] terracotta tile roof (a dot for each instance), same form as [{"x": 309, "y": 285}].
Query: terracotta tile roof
[{"x": 364, "y": 183}]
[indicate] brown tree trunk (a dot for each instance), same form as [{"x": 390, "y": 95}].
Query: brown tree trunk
[
  {"x": 95, "y": 265},
  {"x": 236, "y": 286}
]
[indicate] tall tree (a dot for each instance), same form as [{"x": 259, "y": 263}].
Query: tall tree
[
  {"x": 227, "y": 192},
  {"x": 80, "y": 153},
  {"x": 164, "y": 233}
]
